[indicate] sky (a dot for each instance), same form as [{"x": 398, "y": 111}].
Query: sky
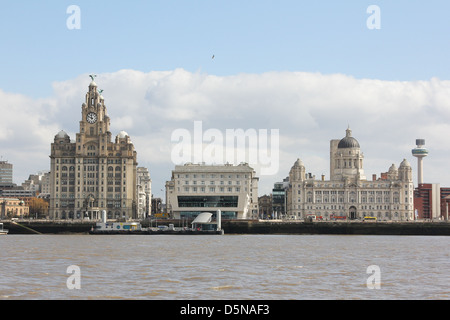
[{"x": 305, "y": 69}]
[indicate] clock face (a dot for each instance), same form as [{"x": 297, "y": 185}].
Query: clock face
[{"x": 91, "y": 117}]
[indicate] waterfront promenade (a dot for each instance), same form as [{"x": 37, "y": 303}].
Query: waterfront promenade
[{"x": 251, "y": 227}]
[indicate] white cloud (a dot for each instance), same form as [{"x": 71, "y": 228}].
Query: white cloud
[{"x": 309, "y": 109}]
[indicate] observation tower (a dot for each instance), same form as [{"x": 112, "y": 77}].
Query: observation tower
[{"x": 420, "y": 152}]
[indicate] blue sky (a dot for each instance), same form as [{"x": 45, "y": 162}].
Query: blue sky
[
  {"x": 44, "y": 68},
  {"x": 245, "y": 37}
]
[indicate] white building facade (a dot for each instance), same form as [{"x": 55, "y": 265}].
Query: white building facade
[
  {"x": 197, "y": 188},
  {"x": 144, "y": 193},
  {"x": 348, "y": 194}
]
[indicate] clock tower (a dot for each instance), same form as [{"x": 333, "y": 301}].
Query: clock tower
[
  {"x": 94, "y": 131},
  {"x": 93, "y": 173}
]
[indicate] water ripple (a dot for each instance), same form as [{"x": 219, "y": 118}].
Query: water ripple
[{"x": 224, "y": 267}]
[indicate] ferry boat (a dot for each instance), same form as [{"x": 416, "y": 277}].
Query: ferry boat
[
  {"x": 201, "y": 225},
  {"x": 3, "y": 231},
  {"x": 105, "y": 227},
  {"x": 116, "y": 227}
]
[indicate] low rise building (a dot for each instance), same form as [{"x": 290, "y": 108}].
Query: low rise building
[
  {"x": 157, "y": 206},
  {"x": 13, "y": 208},
  {"x": 265, "y": 206},
  {"x": 279, "y": 199}
]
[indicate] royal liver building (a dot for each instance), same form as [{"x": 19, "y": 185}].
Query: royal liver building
[
  {"x": 348, "y": 194},
  {"x": 93, "y": 173}
]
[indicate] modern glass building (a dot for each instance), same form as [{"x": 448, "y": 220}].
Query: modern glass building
[{"x": 279, "y": 199}]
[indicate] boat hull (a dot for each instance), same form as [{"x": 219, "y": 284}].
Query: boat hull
[{"x": 159, "y": 232}]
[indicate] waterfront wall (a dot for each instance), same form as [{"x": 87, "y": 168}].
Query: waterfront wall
[
  {"x": 258, "y": 227},
  {"x": 48, "y": 227},
  {"x": 334, "y": 227}
]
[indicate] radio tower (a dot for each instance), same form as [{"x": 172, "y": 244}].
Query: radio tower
[{"x": 420, "y": 152}]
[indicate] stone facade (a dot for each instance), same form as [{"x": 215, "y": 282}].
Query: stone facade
[
  {"x": 93, "y": 173},
  {"x": 348, "y": 194},
  {"x": 144, "y": 193},
  {"x": 197, "y": 188},
  {"x": 13, "y": 208}
]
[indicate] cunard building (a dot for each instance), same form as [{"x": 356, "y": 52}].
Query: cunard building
[
  {"x": 93, "y": 173},
  {"x": 349, "y": 194}
]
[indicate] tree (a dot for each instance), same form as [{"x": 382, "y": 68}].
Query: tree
[{"x": 38, "y": 206}]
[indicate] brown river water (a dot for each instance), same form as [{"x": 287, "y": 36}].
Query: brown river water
[{"x": 213, "y": 267}]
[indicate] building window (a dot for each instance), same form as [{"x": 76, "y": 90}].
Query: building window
[{"x": 208, "y": 201}]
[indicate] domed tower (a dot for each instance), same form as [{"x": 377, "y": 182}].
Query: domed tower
[
  {"x": 297, "y": 172},
  {"x": 346, "y": 158},
  {"x": 348, "y": 141},
  {"x": 62, "y": 137},
  {"x": 420, "y": 152},
  {"x": 393, "y": 173},
  {"x": 405, "y": 171}
]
